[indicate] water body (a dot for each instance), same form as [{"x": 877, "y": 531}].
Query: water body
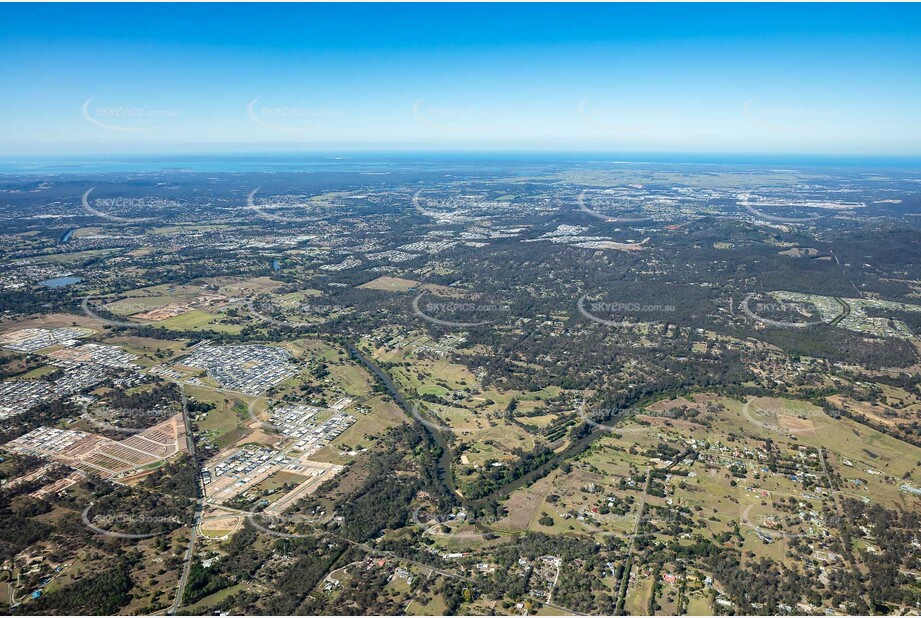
[
  {"x": 68, "y": 234},
  {"x": 276, "y": 265},
  {"x": 444, "y": 465},
  {"x": 413, "y": 161},
  {"x": 60, "y": 282}
]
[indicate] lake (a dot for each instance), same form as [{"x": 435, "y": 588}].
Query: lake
[{"x": 59, "y": 282}]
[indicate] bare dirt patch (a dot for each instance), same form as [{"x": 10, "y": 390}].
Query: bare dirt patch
[{"x": 795, "y": 425}]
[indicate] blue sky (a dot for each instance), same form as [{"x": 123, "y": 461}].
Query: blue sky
[{"x": 807, "y": 78}]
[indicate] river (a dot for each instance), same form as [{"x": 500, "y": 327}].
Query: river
[{"x": 444, "y": 464}]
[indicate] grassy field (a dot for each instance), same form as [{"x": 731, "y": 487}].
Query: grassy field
[
  {"x": 391, "y": 284},
  {"x": 76, "y": 257},
  {"x": 721, "y": 500},
  {"x": 637, "y": 601},
  {"x": 55, "y": 320},
  {"x": 432, "y": 389},
  {"x": 224, "y": 424},
  {"x": 153, "y": 351},
  {"x": 699, "y": 605},
  {"x": 352, "y": 378},
  {"x": 217, "y": 597},
  {"x": 366, "y": 429},
  {"x": 37, "y": 373},
  {"x": 139, "y": 304},
  {"x": 275, "y": 482},
  {"x": 434, "y": 606},
  {"x": 199, "y": 320}
]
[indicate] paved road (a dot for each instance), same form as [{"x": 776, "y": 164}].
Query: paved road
[
  {"x": 187, "y": 560},
  {"x": 199, "y": 509}
]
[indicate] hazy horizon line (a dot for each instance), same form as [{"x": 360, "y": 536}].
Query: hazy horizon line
[{"x": 390, "y": 151}]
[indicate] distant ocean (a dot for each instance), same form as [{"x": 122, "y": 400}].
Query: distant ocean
[{"x": 407, "y": 161}]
